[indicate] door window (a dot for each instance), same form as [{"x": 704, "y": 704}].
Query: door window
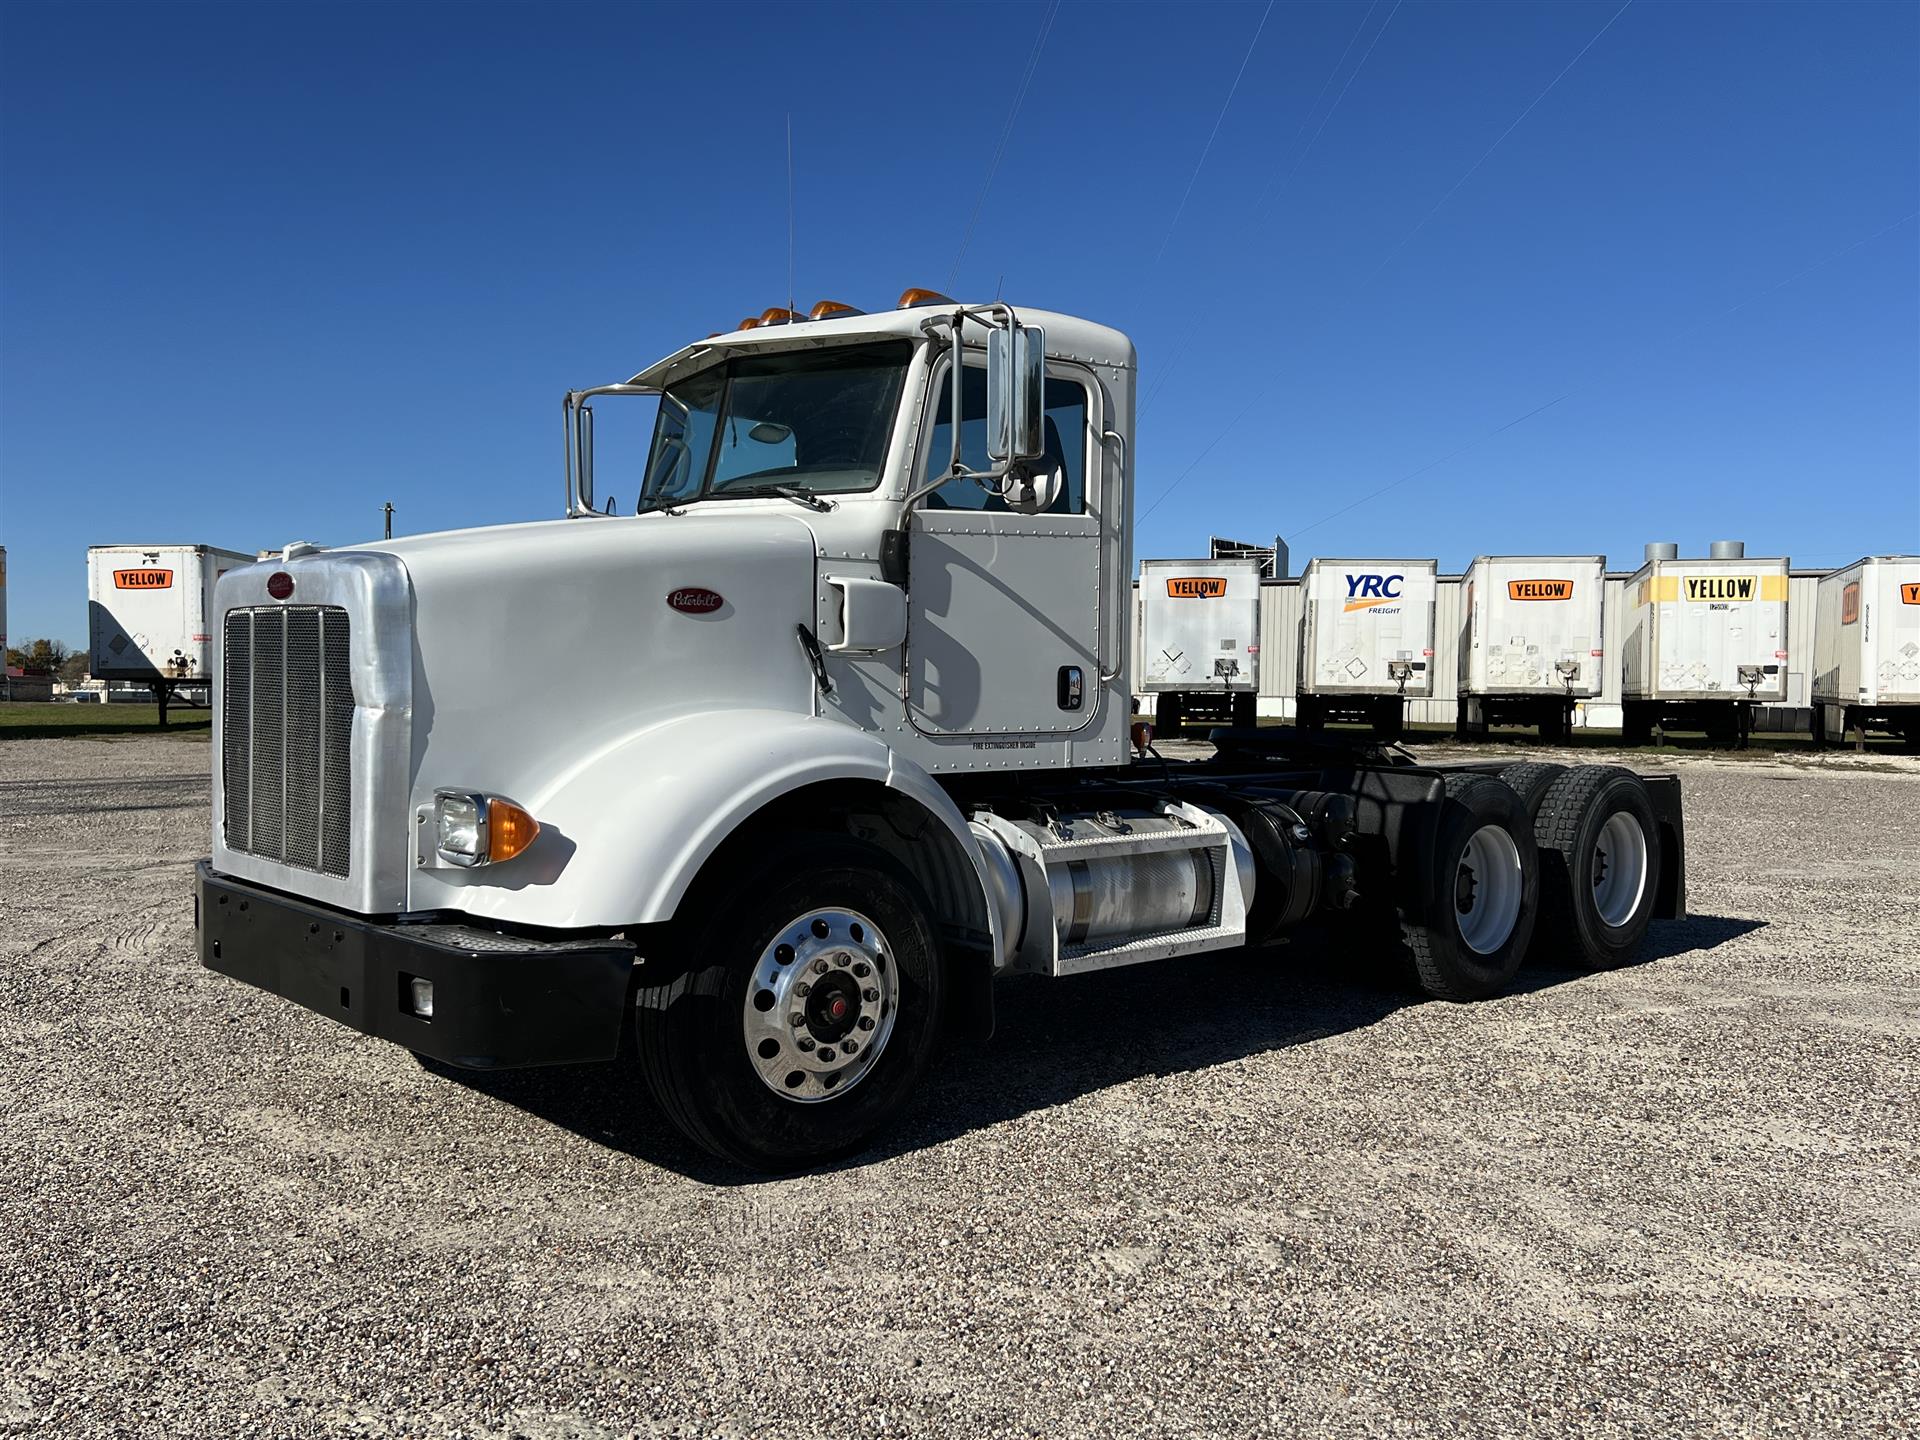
[{"x": 1065, "y": 434}]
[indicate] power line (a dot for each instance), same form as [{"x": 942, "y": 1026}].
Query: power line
[
  {"x": 1301, "y": 158},
  {"x": 1207, "y": 149},
  {"x": 1581, "y": 389},
  {"x": 1196, "y": 461},
  {"x": 1473, "y": 168},
  {"x": 1006, "y": 134},
  {"x": 1305, "y": 120}
]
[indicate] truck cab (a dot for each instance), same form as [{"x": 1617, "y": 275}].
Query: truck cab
[{"x": 855, "y": 742}]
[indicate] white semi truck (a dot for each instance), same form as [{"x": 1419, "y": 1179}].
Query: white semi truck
[{"x": 859, "y": 746}]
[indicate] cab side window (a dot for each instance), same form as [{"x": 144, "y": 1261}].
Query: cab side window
[{"x": 1065, "y": 435}]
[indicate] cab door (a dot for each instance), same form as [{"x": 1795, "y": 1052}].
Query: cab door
[{"x": 1003, "y": 610}]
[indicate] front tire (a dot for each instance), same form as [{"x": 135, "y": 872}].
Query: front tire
[
  {"x": 808, "y": 999},
  {"x": 1600, "y": 858},
  {"x": 1484, "y": 891}
]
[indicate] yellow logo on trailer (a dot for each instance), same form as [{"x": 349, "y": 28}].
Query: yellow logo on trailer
[
  {"x": 1910, "y": 594},
  {"x": 1722, "y": 588},
  {"x": 1196, "y": 587},
  {"x": 1539, "y": 589}
]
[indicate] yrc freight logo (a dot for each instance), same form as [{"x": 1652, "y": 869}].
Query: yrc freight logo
[
  {"x": 147, "y": 579},
  {"x": 1196, "y": 587},
  {"x": 1365, "y": 592},
  {"x": 1539, "y": 589},
  {"x": 1910, "y": 594},
  {"x": 1722, "y": 587}
]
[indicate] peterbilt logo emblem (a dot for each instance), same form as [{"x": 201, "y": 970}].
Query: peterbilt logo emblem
[{"x": 695, "y": 601}]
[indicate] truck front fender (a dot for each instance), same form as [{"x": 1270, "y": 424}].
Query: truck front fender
[{"x": 628, "y": 827}]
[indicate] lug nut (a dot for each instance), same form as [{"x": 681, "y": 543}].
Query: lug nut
[
  {"x": 820, "y": 967},
  {"x": 805, "y": 1042},
  {"x": 866, "y": 1022},
  {"x": 847, "y": 1046},
  {"x": 842, "y": 959},
  {"x": 826, "y": 1052},
  {"x": 863, "y": 969},
  {"x": 796, "y": 1019},
  {"x": 870, "y": 994},
  {"x": 803, "y": 989}
]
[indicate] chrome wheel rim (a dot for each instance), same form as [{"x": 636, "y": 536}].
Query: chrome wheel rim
[
  {"x": 1487, "y": 889},
  {"x": 1619, "y": 869},
  {"x": 821, "y": 1005}
]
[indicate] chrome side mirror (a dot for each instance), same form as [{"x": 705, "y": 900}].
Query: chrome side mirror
[{"x": 1016, "y": 394}]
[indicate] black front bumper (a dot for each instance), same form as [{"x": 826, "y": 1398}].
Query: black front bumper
[{"x": 498, "y": 1000}]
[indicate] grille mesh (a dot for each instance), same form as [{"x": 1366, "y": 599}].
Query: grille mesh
[{"x": 286, "y": 734}]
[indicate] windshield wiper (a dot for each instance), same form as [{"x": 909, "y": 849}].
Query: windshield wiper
[
  {"x": 786, "y": 492},
  {"x": 655, "y": 507}
]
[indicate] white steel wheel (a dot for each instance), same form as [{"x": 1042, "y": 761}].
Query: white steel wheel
[
  {"x": 820, "y": 1006},
  {"x": 1488, "y": 886},
  {"x": 1619, "y": 868}
]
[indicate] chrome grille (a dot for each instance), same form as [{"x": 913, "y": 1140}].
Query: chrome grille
[{"x": 286, "y": 736}]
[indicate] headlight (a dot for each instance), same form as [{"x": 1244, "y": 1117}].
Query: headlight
[{"x": 474, "y": 828}]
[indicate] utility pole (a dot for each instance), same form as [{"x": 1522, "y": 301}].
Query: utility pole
[{"x": 388, "y": 507}]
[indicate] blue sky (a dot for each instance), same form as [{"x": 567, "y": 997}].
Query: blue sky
[{"x": 263, "y": 267}]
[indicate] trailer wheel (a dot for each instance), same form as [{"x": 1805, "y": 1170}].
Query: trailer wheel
[
  {"x": 809, "y": 1003},
  {"x": 1485, "y": 887},
  {"x": 1600, "y": 864}
]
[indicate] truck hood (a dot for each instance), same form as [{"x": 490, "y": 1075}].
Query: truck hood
[{"x": 538, "y": 645}]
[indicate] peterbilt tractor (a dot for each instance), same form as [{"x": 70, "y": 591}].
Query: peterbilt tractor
[{"x": 858, "y": 742}]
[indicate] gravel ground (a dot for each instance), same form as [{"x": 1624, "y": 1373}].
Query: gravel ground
[{"x": 1252, "y": 1194}]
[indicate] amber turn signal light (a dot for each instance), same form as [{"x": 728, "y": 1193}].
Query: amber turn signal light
[{"x": 509, "y": 829}]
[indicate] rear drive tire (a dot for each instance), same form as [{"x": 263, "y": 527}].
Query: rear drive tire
[
  {"x": 1600, "y": 867},
  {"x": 1484, "y": 891},
  {"x": 808, "y": 1000},
  {"x": 1530, "y": 780}
]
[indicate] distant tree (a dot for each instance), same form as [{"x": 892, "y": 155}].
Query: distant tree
[
  {"x": 39, "y": 657},
  {"x": 74, "y": 668}
]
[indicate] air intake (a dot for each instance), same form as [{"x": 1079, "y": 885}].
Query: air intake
[
  {"x": 1728, "y": 550},
  {"x": 1663, "y": 550},
  {"x": 286, "y": 729}
]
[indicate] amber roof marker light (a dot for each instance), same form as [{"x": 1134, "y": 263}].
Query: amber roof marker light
[
  {"x": 779, "y": 315},
  {"x": 916, "y": 296},
  {"x": 831, "y": 309}
]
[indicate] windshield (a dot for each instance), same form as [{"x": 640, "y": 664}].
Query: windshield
[{"x": 816, "y": 421}]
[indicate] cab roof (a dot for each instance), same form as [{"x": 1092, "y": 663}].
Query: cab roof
[{"x": 1068, "y": 338}]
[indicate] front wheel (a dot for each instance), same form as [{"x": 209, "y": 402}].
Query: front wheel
[
  {"x": 807, "y": 1003},
  {"x": 1468, "y": 939}
]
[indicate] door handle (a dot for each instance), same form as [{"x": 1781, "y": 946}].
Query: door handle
[{"x": 873, "y": 615}]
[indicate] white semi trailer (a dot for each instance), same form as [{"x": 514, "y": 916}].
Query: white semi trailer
[
  {"x": 150, "y": 610},
  {"x": 1200, "y": 642},
  {"x": 1866, "y": 650},
  {"x": 1366, "y": 642},
  {"x": 1531, "y": 643},
  {"x": 1706, "y": 642},
  {"x": 858, "y": 746}
]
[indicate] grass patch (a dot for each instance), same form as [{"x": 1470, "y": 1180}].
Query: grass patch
[{"x": 37, "y": 721}]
